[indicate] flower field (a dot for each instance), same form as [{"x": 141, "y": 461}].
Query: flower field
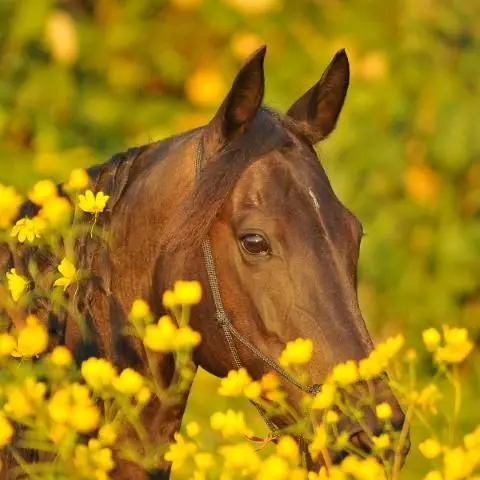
[{"x": 78, "y": 415}]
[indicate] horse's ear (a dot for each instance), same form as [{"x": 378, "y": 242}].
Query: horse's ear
[
  {"x": 242, "y": 102},
  {"x": 318, "y": 109}
]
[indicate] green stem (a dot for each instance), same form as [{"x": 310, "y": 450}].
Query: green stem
[
  {"x": 457, "y": 402},
  {"x": 397, "y": 459}
]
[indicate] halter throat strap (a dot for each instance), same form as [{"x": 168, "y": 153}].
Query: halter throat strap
[{"x": 230, "y": 332}]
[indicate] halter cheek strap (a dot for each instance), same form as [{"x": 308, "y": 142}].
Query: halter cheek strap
[{"x": 230, "y": 332}]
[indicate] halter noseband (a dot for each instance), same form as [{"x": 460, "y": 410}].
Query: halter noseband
[{"x": 223, "y": 320}]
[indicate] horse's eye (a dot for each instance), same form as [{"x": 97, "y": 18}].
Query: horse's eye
[{"x": 254, "y": 244}]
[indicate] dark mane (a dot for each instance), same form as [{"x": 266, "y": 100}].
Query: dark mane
[{"x": 195, "y": 216}]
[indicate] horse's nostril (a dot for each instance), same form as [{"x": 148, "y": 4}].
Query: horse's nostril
[{"x": 361, "y": 441}]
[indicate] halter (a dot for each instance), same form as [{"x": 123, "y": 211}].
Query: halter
[{"x": 230, "y": 332}]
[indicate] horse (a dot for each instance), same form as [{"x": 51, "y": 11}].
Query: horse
[{"x": 247, "y": 195}]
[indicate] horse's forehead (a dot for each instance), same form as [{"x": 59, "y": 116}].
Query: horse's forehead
[{"x": 276, "y": 177}]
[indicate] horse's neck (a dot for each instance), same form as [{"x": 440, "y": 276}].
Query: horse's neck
[{"x": 129, "y": 271}]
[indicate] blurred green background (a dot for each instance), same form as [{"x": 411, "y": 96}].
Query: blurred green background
[{"x": 83, "y": 79}]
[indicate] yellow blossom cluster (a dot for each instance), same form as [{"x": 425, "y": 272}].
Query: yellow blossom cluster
[
  {"x": 72, "y": 406},
  {"x": 16, "y": 284},
  {"x": 457, "y": 463},
  {"x": 456, "y": 344},
  {"x": 377, "y": 362},
  {"x": 297, "y": 352},
  {"x": 24, "y": 400},
  {"x": 183, "y": 293},
  {"x": 352, "y": 467},
  {"x": 94, "y": 460},
  {"x": 83, "y": 422},
  {"x": 103, "y": 378},
  {"x": 230, "y": 424},
  {"x": 179, "y": 451},
  {"x": 239, "y": 383},
  {"x": 32, "y": 339},
  {"x": 165, "y": 336}
]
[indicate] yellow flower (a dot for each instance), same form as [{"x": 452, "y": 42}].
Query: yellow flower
[
  {"x": 107, "y": 435},
  {"x": 179, "y": 451},
  {"x": 42, "y": 192},
  {"x": 457, "y": 347},
  {"x": 69, "y": 272},
  {"x": 345, "y": 373},
  {"x": 372, "y": 366},
  {"x": 433, "y": 475},
  {"x": 383, "y": 411},
  {"x": 93, "y": 204},
  {"x": 78, "y": 180},
  {"x": 16, "y": 284},
  {"x": 61, "y": 356},
  {"x": 472, "y": 440},
  {"x": 24, "y": 400},
  {"x": 230, "y": 423},
  {"x": 33, "y": 338},
  {"x": 193, "y": 429},
  {"x": 381, "y": 442},
  {"x": 274, "y": 468},
  {"x": 6, "y": 431},
  {"x": 364, "y": 469},
  {"x": 93, "y": 460},
  {"x": 140, "y": 309},
  {"x": 325, "y": 397},
  {"x": 56, "y": 211},
  {"x": 391, "y": 346},
  {"x": 319, "y": 442},
  {"x": 431, "y": 338},
  {"x": 143, "y": 396},
  {"x": 187, "y": 293},
  {"x": 240, "y": 457},
  {"x": 169, "y": 300},
  {"x": 186, "y": 338},
  {"x": 28, "y": 229},
  {"x": 129, "y": 382},
  {"x": 59, "y": 406},
  {"x": 332, "y": 417},
  {"x": 459, "y": 464},
  {"x": 253, "y": 390},
  {"x": 161, "y": 337},
  {"x": 298, "y": 473},
  {"x": 7, "y": 344},
  {"x": 430, "y": 448},
  {"x": 270, "y": 386},
  {"x": 85, "y": 418},
  {"x": 98, "y": 373},
  {"x": 10, "y": 203},
  {"x": 204, "y": 461},
  {"x": 297, "y": 352},
  {"x": 234, "y": 383},
  {"x": 333, "y": 473},
  {"x": 288, "y": 448}
]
